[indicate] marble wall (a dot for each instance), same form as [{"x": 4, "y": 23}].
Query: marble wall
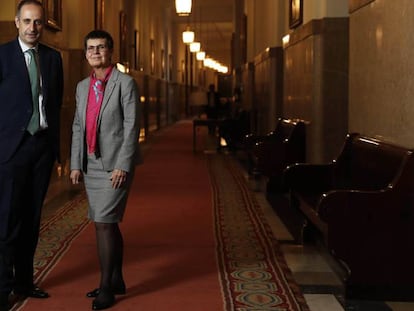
[
  {"x": 316, "y": 84},
  {"x": 381, "y": 77},
  {"x": 268, "y": 89}
]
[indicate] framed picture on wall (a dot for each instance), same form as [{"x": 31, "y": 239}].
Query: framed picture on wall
[
  {"x": 99, "y": 14},
  {"x": 295, "y": 13},
  {"x": 170, "y": 67},
  {"x": 136, "y": 50},
  {"x": 182, "y": 71},
  {"x": 162, "y": 64},
  {"x": 53, "y": 10},
  {"x": 152, "y": 56},
  {"x": 123, "y": 30}
]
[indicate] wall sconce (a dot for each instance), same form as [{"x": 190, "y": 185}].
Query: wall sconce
[
  {"x": 183, "y": 7},
  {"x": 122, "y": 68},
  {"x": 285, "y": 40},
  {"x": 195, "y": 47},
  {"x": 188, "y": 36}
]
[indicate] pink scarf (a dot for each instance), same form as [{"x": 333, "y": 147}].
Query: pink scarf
[{"x": 95, "y": 97}]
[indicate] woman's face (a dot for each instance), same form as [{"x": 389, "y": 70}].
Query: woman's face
[{"x": 98, "y": 54}]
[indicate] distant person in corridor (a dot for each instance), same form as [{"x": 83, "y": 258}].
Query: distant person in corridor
[
  {"x": 104, "y": 152},
  {"x": 213, "y": 106},
  {"x": 31, "y": 87}
]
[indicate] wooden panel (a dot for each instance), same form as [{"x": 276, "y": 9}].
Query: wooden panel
[
  {"x": 8, "y": 31},
  {"x": 356, "y": 4}
]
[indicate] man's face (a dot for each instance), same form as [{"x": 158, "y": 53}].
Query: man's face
[
  {"x": 30, "y": 24},
  {"x": 97, "y": 53}
]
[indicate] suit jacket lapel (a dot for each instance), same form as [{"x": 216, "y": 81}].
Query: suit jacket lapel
[
  {"x": 21, "y": 67},
  {"x": 44, "y": 68},
  {"x": 83, "y": 97},
  {"x": 108, "y": 91}
]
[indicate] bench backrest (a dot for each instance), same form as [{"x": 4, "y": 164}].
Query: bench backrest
[
  {"x": 287, "y": 128},
  {"x": 368, "y": 164}
]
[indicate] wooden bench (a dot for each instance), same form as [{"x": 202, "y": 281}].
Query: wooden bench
[
  {"x": 269, "y": 155},
  {"x": 362, "y": 204}
]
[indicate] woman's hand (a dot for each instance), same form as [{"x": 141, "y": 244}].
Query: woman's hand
[
  {"x": 75, "y": 176},
  {"x": 118, "y": 178}
]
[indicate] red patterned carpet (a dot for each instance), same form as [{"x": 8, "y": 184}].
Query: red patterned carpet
[
  {"x": 195, "y": 239},
  {"x": 253, "y": 272}
]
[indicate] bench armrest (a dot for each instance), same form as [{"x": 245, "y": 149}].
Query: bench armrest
[
  {"x": 362, "y": 223},
  {"x": 308, "y": 178},
  {"x": 251, "y": 139},
  {"x": 270, "y": 157}
]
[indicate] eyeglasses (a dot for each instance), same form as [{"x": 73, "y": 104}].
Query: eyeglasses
[{"x": 93, "y": 48}]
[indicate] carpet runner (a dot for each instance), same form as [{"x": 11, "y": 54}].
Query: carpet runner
[
  {"x": 253, "y": 272},
  {"x": 195, "y": 239},
  {"x": 56, "y": 235}
]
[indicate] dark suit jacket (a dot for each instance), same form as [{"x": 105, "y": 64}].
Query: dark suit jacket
[{"x": 16, "y": 99}]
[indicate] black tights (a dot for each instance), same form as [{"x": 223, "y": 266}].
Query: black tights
[{"x": 110, "y": 251}]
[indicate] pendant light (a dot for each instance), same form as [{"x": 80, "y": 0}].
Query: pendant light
[
  {"x": 183, "y": 7},
  {"x": 200, "y": 55},
  {"x": 195, "y": 47},
  {"x": 188, "y": 36}
]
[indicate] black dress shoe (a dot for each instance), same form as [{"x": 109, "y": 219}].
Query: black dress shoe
[
  {"x": 93, "y": 293},
  {"x": 116, "y": 291},
  {"x": 37, "y": 292},
  {"x": 34, "y": 292},
  {"x": 4, "y": 302},
  {"x": 104, "y": 300}
]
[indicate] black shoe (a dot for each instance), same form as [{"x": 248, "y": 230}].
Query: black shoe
[
  {"x": 121, "y": 290},
  {"x": 4, "y": 302},
  {"x": 104, "y": 300},
  {"x": 93, "y": 293},
  {"x": 34, "y": 292}
]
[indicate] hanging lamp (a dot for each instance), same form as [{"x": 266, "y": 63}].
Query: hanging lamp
[
  {"x": 183, "y": 7},
  {"x": 200, "y": 55},
  {"x": 188, "y": 36},
  {"x": 195, "y": 47}
]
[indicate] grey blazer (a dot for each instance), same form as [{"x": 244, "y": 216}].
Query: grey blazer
[{"x": 118, "y": 125}]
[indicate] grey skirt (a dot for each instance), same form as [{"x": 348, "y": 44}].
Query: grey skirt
[{"x": 106, "y": 205}]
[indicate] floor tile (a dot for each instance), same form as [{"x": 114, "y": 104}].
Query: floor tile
[{"x": 317, "y": 302}]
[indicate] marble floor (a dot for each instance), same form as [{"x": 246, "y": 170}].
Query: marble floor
[{"x": 315, "y": 271}]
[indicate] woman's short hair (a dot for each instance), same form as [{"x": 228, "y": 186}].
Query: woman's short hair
[{"x": 99, "y": 34}]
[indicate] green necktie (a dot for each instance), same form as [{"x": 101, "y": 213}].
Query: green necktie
[{"x": 34, "y": 123}]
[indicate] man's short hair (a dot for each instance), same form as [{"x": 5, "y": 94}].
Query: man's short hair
[{"x": 25, "y": 2}]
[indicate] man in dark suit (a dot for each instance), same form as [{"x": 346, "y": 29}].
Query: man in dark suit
[
  {"x": 213, "y": 106},
  {"x": 31, "y": 87}
]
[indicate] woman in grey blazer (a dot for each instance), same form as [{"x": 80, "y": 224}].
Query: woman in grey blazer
[{"x": 105, "y": 151}]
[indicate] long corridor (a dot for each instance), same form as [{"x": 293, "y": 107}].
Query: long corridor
[{"x": 191, "y": 218}]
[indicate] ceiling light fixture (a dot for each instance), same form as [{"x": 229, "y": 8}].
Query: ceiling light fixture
[
  {"x": 195, "y": 47},
  {"x": 188, "y": 36},
  {"x": 200, "y": 55},
  {"x": 183, "y": 7}
]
